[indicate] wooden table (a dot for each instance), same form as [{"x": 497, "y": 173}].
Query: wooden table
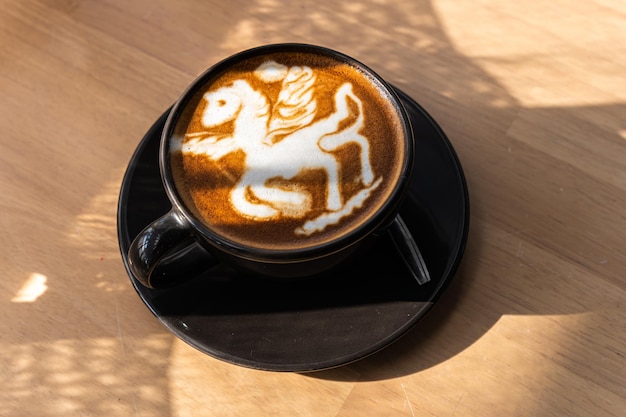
[{"x": 533, "y": 97}]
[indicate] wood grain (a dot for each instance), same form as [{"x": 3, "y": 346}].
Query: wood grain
[{"x": 531, "y": 94}]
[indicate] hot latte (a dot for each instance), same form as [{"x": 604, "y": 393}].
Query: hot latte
[{"x": 287, "y": 150}]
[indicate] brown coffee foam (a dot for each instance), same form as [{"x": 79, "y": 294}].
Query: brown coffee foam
[{"x": 205, "y": 184}]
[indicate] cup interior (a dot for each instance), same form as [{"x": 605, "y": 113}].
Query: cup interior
[{"x": 237, "y": 147}]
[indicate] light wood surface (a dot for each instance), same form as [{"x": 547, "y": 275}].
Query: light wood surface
[{"x": 531, "y": 94}]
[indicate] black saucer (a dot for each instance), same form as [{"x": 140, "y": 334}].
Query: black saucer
[{"x": 313, "y": 324}]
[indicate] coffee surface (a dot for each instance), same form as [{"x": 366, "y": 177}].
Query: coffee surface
[{"x": 287, "y": 150}]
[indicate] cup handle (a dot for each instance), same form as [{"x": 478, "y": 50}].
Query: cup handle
[
  {"x": 164, "y": 237},
  {"x": 408, "y": 250}
]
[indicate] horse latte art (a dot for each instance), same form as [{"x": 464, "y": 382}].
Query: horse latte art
[{"x": 287, "y": 150}]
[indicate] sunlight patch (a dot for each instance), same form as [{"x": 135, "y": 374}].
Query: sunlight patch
[{"x": 32, "y": 289}]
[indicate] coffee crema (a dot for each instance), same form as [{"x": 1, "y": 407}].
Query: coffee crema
[{"x": 287, "y": 150}]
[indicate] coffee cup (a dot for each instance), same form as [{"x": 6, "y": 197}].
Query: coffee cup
[{"x": 282, "y": 160}]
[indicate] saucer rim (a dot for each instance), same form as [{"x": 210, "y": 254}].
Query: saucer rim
[{"x": 456, "y": 255}]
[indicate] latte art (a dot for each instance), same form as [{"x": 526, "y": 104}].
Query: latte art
[
  {"x": 283, "y": 141},
  {"x": 287, "y": 149}
]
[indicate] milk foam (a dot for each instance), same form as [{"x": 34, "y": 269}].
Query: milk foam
[{"x": 283, "y": 139}]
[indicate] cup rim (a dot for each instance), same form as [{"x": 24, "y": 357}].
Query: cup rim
[{"x": 385, "y": 213}]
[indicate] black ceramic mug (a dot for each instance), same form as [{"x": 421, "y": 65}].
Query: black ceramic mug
[{"x": 282, "y": 160}]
